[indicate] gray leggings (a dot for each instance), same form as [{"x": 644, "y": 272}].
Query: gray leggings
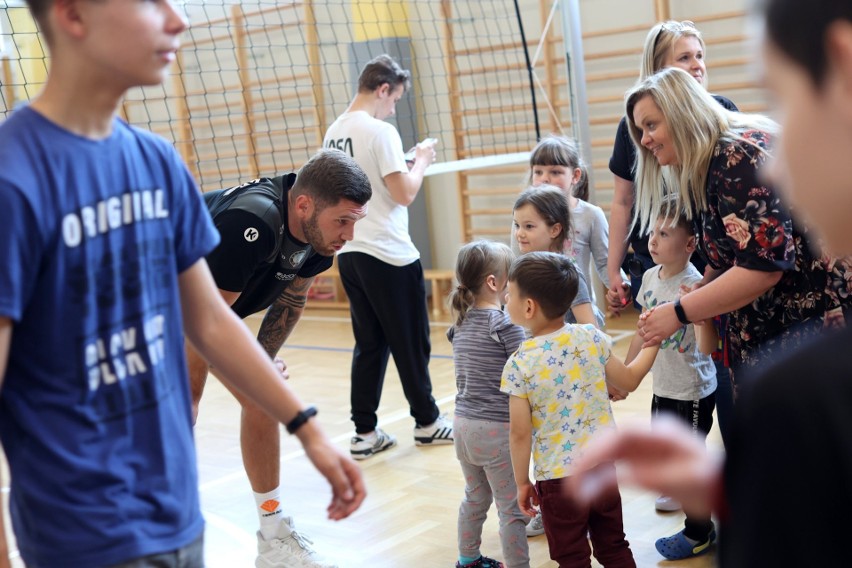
[{"x": 483, "y": 451}]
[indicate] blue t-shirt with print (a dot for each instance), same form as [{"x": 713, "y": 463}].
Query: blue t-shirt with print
[{"x": 94, "y": 408}]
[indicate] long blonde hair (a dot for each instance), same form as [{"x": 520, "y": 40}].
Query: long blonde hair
[
  {"x": 659, "y": 44},
  {"x": 696, "y": 123}
]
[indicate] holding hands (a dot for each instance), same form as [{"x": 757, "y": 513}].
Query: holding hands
[
  {"x": 618, "y": 296},
  {"x": 657, "y": 324}
]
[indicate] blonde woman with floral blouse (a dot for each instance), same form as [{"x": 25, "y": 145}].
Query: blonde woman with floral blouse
[{"x": 768, "y": 275}]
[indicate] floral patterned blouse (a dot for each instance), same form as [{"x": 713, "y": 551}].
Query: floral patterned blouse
[{"x": 747, "y": 225}]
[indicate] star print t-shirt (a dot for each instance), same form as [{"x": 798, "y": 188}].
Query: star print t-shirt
[{"x": 562, "y": 376}]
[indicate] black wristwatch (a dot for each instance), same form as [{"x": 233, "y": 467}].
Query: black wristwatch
[
  {"x": 301, "y": 418},
  {"x": 681, "y": 315}
]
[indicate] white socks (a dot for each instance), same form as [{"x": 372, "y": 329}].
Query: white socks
[{"x": 269, "y": 512}]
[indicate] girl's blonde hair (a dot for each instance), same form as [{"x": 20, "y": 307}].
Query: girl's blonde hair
[
  {"x": 555, "y": 150},
  {"x": 659, "y": 44},
  {"x": 696, "y": 123},
  {"x": 476, "y": 262},
  {"x": 552, "y": 205}
]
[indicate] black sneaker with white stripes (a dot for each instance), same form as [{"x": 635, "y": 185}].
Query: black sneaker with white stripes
[{"x": 441, "y": 432}]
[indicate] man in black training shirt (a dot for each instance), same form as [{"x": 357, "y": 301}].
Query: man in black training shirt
[{"x": 277, "y": 235}]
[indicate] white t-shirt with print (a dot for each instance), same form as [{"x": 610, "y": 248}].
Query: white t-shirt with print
[
  {"x": 681, "y": 371},
  {"x": 377, "y": 148}
]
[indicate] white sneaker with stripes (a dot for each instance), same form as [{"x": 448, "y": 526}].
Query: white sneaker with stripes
[
  {"x": 441, "y": 432},
  {"x": 362, "y": 447}
]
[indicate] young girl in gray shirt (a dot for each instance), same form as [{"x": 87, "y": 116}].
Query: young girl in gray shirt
[{"x": 483, "y": 338}]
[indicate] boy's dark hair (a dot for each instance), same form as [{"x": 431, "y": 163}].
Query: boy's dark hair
[
  {"x": 674, "y": 216},
  {"x": 561, "y": 151},
  {"x": 798, "y": 29},
  {"x": 380, "y": 70},
  {"x": 38, "y": 10},
  {"x": 551, "y": 204},
  {"x": 331, "y": 175},
  {"x": 548, "y": 278}
]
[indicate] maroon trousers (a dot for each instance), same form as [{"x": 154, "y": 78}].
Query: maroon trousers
[{"x": 567, "y": 524}]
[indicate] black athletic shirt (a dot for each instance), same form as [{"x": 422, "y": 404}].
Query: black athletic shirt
[
  {"x": 258, "y": 256},
  {"x": 623, "y": 164}
]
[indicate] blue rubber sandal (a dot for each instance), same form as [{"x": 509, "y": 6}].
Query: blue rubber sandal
[{"x": 677, "y": 547}]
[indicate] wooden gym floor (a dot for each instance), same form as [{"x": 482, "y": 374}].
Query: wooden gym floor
[{"x": 409, "y": 516}]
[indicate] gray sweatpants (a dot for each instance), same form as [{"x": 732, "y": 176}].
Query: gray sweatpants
[{"x": 483, "y": 451}]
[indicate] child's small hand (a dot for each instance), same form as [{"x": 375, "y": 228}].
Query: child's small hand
[
  {"x": 618, "y": 298},
  {"x": 616, "y": 393},
  {"x": 527, "y": 498},
  {"x": 686, "y": 289}
]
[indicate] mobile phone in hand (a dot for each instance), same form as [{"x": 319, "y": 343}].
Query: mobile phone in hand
[{"x": 410, "y": 155}]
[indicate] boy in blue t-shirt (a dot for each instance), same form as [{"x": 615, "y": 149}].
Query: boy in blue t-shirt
[{"x": 102, "y": 241}]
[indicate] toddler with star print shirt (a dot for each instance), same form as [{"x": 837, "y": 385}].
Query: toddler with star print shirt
[{"x": 558, "y": 400}]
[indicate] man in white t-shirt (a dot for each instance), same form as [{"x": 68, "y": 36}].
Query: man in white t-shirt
[{"x": 380, "y": 268}]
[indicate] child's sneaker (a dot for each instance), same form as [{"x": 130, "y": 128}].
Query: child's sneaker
[
  {"x": 678, "y": 547},
  {"x": 667, "y": 504},
  {"x": 288, "y": 549},
  {"x": 441, "y": 432},
  {"x": 362, "y": 447},
  {"x": 481, "y": 562},
  {"x": 536, "y": 526}
]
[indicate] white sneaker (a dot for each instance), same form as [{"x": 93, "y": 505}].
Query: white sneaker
[
  {"x": 535, "y": 527},
  {"x": 288, "y": 549},
  {"x": 666, "y": 504},
  {"x": 362, "y": 448},
  {"x": 441, "y": 432}
]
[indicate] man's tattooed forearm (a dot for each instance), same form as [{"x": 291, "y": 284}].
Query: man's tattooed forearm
[{"x": 283, "y": 315}]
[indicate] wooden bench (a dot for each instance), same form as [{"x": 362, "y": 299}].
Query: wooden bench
[
  {"x": 442, "y": 284},
  {"x": 327, "y": 290}
]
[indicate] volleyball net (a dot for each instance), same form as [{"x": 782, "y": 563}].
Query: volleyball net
[{"x": 257, "y": 83}]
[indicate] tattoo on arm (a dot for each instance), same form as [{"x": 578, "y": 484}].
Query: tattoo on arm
[{"x": 282, "y": 315}]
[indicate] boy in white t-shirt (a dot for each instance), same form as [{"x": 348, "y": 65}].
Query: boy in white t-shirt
[
  {"x": 684, "y": 377},
  {"x": 380, "y": 267}
]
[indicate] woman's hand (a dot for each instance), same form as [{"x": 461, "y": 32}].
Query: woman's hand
[{"x": 657, "y": 324}]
